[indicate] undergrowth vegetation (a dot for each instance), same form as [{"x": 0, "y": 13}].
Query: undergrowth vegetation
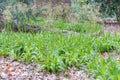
[{"x": 56, "y": 52}]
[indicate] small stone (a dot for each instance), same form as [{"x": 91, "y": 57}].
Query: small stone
[{"x": 3, "y": 75}]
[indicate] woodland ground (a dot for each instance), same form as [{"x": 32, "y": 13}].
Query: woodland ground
[{"x": 12, "y": 69}]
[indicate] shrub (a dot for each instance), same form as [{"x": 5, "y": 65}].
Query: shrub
[
  {"x": 84, "y": 10},
  {"x": 110, "y": 7},
  {"x": 17, "y": 13}
]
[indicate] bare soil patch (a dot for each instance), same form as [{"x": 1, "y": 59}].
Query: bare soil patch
[{"x": 112, "y": 28}]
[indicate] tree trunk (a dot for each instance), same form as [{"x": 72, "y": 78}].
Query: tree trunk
[{"x": 117, "y": 12}]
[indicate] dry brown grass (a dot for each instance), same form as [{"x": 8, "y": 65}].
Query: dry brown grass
[
  {"x": 62, "y": 11},
  {"x": 18, "y": 7}
]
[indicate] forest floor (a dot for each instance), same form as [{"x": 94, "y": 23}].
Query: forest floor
[
  {"x": 14, "y": 70},
  {"x": 112, "y": 28}
]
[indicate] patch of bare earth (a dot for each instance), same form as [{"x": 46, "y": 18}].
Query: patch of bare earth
[
  {"x": 111, "y": 25},
  {"x": 13, "y": 70},
  {"x": 112, "y": 28},
  {"x": 114, "y": 54}
]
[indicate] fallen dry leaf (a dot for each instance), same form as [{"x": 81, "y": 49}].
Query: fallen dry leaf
[{"x": 13, "y": 70}]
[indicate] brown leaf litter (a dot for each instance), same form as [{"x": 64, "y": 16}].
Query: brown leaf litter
[{"x": 13, "y": 70}]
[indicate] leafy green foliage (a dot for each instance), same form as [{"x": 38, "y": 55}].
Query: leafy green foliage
[
  {"x": 55, "y": 52},
  {"x": 105, "y": 69},
  {"x": 110, "y": 7},
  {"x": 28, "y": 2},
  {"x": 17, "y": 13},
  {"x": 104, "y": 44}
]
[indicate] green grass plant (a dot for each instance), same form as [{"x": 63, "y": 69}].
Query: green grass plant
[{"x": 56, "y": 52}]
